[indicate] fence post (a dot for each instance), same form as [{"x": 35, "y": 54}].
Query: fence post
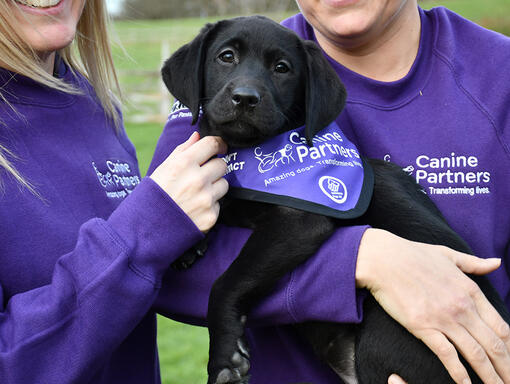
[{"x": 164, "y": 108}]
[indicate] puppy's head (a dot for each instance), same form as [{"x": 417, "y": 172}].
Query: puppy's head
[{"x": 254, "y": 79}]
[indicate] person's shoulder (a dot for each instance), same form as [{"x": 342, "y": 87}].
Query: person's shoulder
[
  {"x": 465, "y": 42},
  {"x": 299, "y": 25},
  {"x": 477, "y": 58},
  {"x": 293, "y": 21},
  {"x": 476, "y": 55}
]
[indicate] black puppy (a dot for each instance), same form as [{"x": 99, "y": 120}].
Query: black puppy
[{"x": 253, "y": 80}]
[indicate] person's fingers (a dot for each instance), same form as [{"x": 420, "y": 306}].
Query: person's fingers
[
  {"x": 491, "y": 317},
  {"x": 214, "y": 169},
  {"x": 207, "y": 221},
  {"x": 206, "y": 148},
  {"x": 216, "y": 209},
  {"x": 487, "y": 313},
  {"x": 219, "y": 189},
  {"x": 485, "y": 323},
  {"x": 475, "y": 353},
  {"x": 446, "y": 352},
  {"x": 395, "y": 379},
  {"x": 492, "y": 332},
  {"x": 503, "y": 332},
  {"x": 472, "y": 264},
  {"x": 194, "y": 179}
]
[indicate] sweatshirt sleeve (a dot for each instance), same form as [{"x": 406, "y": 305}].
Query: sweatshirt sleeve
[
  {"x": 98, "y": 292},
  {"x": 321, "y": 289},
  {"x": 507, "y": 267}
]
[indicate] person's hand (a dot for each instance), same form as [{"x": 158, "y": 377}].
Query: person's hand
[
  {"x": 195, "y": 181},
  {"x": 395, "y": 379},
  {"x": 424, "y": 288}
]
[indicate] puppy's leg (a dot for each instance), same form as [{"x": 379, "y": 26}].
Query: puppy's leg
[
  {"x": 335, "y": 344},
  {"x": 287, "y": 238}
]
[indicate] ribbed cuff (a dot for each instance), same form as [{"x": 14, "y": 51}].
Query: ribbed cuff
[
  {"x": 324, "y": 288},
  {"x": 154, "y": 228}
]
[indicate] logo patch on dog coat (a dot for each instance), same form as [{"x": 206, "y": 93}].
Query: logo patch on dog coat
[{"x": 328, "y": 178}]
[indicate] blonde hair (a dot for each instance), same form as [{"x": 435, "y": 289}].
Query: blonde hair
[{"x": 89, "y": 54}]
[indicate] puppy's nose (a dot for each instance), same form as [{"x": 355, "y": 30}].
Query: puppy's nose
[{"x": 244, "y": 96}]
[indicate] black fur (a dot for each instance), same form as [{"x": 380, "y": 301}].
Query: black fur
[{"x": 233, "y": 70}]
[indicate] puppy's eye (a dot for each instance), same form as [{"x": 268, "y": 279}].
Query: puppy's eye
[
  {"x": 227, "y": 56},
  {"x": 281, "y": 67}
]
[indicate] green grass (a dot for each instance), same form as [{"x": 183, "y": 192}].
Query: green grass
[
  {"x": 144, "y": 137},
  {"x": 183, "y": 348},
  {"x": 182, "y": 352},
  {"x": 493, "y": 14},
  {"x": 474, "y": 10}
]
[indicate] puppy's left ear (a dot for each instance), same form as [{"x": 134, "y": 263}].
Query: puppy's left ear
[
  {"x": 183, "y": 71},
  {"x": 325, "y": 93}
]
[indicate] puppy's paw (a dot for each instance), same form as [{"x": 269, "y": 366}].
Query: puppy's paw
[
  {"x": 181, "y": 265},
  {"x": 235, "y": 371},
  {"x": 186, "y": 260},
  {"x": 230, "y": 376}
]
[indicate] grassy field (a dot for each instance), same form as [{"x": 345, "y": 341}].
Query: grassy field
[{"x": 183, "y": 348}]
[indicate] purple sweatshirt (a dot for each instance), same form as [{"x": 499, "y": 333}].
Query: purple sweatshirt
[
  {"x": 447, "y": 123},
  {"x": 82, "y": 263}
]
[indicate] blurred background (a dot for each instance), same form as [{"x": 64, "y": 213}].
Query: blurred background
[{"x": 145, "y": 33}]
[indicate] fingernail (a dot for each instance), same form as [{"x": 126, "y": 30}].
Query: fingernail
[{"x": 466, "y": 381}]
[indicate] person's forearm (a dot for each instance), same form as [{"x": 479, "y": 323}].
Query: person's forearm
[
  {"x": 98, "y": 292},
  {"x": 321, "y": 289}
]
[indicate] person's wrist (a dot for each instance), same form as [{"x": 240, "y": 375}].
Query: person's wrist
[{"x": 368, "y": 252}]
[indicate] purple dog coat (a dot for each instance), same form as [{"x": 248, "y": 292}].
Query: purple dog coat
[{"x": 330, "y": 178}]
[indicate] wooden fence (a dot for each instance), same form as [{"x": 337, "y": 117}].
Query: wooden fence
[{"x": 146, "y": 98}]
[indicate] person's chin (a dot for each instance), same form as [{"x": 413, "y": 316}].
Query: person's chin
[
  {"x": 349, "y": 33},
  {"x": 53, "y": 39}
]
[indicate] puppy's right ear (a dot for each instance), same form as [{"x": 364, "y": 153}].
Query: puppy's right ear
[{"x": 183, "y": 71}]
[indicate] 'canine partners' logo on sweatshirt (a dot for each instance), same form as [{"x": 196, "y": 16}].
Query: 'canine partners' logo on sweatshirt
[
  {"x": 286, "y": 171},
  {"x": 118, "y": 178},
  {"x": 450, "y": 174}
]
